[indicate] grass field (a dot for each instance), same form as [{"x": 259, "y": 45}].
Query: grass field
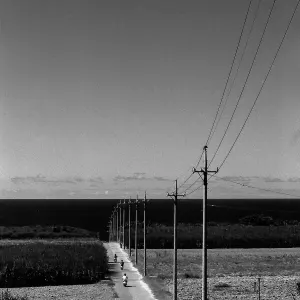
[{"x": 232, "y": 273}]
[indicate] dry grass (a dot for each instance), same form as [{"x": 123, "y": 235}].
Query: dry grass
[
  {"x": 232, "y": 272},
  {"x": 99, "y": 291}
]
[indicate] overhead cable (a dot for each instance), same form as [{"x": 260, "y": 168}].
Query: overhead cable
[
  {"x": 264, "y": 81},
  {"x": 246, "y": 81},
  {"x": 239, "y": 65},
  {"x": 229, "y": 74}
]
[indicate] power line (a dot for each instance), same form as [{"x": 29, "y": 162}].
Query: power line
[
  {"x": 264, "y": 81},
  {"x": 257, "y": 188},
  {"x": 246, "y": 81},
  {"x": 197, "y": 188},
  {"x": 227, "y": 80},
  {"x": 244, "y": 185},
  {"x": 191, "y": 185},
  {"x": 250, "y": 209},
  {"x": 239, "y": 65},
  {"x": 184, "y": 182}
]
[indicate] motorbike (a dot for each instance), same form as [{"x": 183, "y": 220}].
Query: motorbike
[
  {"x": 125, "y": 282},
  {"x": 115, "y": 259},
  {"x": 122, "y": 266}
]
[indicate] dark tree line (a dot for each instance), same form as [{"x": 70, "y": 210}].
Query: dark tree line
[{"x": 253, "y": 231}]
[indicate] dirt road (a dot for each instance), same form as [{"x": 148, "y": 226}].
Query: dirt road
[{"x": 136, "y": 288}]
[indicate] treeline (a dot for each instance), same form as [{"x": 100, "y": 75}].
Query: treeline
[
  {"x": 256, "y": 231},
  {"x": 44, "y": 232}
]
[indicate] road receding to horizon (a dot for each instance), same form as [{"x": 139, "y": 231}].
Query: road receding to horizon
[{"x": 136, "y": 289}]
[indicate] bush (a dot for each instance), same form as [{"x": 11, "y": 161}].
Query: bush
[
  {"x": 257, "y": 219},
  {"x": 221, "y": 285},
  {"x": 8, "y": 296},
  {"x": 298, "y": 287},
  {"x": 191, "y": 275}
]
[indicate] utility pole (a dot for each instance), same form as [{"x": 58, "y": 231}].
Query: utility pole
[
  {"x": 136, "y": 228},
  {"x": 129, "y": 226},
  {"x": 115, "y": 225},
  {"x": 175, "y": 200},
  {"x": 205, "y": 172},
  {"x": 109, "y": 230},
  {"x": 118, "y": 223},
  {"x": 124, "y": 205},
  {"x": 145, "y": 248},
  {"x": 258, "y": 288}
]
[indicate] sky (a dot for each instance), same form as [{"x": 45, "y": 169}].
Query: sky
[{"x": 107, "y": 99}]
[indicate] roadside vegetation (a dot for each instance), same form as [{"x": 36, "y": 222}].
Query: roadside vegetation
[{"x": 50, "y": 262}]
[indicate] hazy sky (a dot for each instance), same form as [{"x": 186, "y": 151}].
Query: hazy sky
[{"x": 108, "y": 98}]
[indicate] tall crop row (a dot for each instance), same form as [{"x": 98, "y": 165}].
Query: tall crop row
[{"x": 50, "y": 263}]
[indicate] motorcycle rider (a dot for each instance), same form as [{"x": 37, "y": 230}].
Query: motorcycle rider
[
  {"x": 115, "y": 257},
  {"x": 122, "y": 264},
  {"x": 125, "y": 278}
]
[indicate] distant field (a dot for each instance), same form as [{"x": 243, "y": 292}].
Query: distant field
[{"x": 232, "y": 272}]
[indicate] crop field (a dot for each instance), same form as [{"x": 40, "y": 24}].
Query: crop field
[
  {"x": 25, "y": 263},
  {"x": 232, "y": 273}
]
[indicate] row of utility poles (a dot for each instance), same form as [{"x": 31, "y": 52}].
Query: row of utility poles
[{"x": 115, "y": 227}]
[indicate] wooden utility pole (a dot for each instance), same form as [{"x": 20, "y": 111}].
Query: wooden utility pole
[
  {"x": 175, "y": 200},
  {"x": 115, "y": 224},
  {"x": 129, "y": 226},
  {"x": 120, "y": 221},
  {"x": 117, "y": 214},
  {"x": 145, "y": 248},
  {"x": 112, "y": 227},
  {"x": 119, "y": 230},
  {"x": 109, "y": 230},
  {"x": 205, "y": 172},
  {"x": 258, "y": 288},
  {"x": 136, "y": 228},
  {"x": 124, "y": 203}
]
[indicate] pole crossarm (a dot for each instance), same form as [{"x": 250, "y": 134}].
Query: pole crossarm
[{"x": 174, "y": 195}]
